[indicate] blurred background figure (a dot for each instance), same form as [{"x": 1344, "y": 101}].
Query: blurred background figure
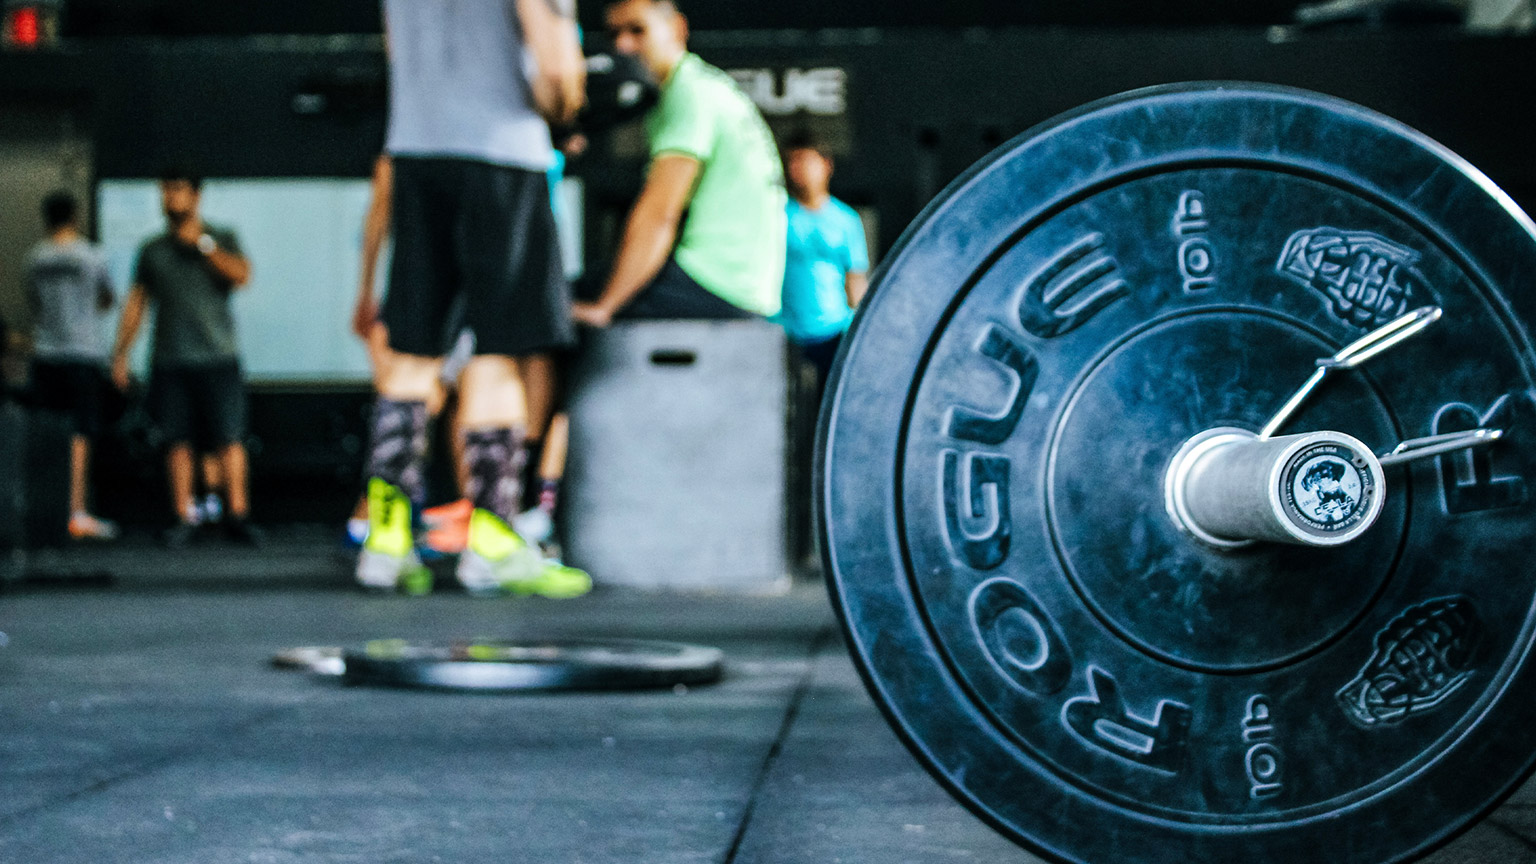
[
  {"x": 826, "y": 268},
  {"x": 471, "y": 220},
  {"x": 69, "y": 292},
  {"x": 447, "y": 524},
  {"x": 706, "y": 237},
  {"x": 196, "y": 391}
]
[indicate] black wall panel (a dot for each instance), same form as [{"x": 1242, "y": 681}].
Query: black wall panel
[{"x": 97, "y": 18}]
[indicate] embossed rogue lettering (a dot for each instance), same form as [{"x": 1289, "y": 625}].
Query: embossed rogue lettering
[
  {"x": 963, "y": 423},
  {"x": 1072, "y": 288},
  {"x": 1466, "y": 478},
  {"x": 1019, "y": 637},
  {"x": 1101, "y": 719},
  {"x": 1197, "y": 258},
  {"x": 975, "y": 490}
]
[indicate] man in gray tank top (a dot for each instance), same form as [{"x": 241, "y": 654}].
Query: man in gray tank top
[
  {"x": 69, "y": 291},
  {"x": 473, "y": 85}
]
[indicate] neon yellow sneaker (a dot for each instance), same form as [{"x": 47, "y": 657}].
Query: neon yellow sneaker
[
  {"x": 497, "y": 561},
  {"x": 388, "y": 559}
]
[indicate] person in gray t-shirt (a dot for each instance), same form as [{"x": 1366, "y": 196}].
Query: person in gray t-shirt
[
  {"x": 196, "y": 394},
  {"x": 68, "y": 290}
]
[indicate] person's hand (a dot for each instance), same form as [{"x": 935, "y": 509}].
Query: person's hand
[
  {"x": 364, "y": 315},
  {"x": 574, "y": 146},
  {"x": 591, "y": 314},
  {"x": 120, "y": 377}
]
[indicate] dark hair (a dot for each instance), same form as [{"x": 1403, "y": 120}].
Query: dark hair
[
  {"x": 59, "y": 209},
  {"x": 676, "y": 5},
  {"x": 805, "y": 139},
  {"x": 182, "y": 173}
]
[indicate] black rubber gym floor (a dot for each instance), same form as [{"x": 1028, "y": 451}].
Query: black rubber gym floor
[{"x": 140, "y": 722}]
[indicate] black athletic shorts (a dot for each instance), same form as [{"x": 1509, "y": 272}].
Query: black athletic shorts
[
  {"x": 199, "y": 405},
  {"x": 484, "y": 233},
  {"x": 73, "y": 388},
  {"x": 674, "y": 294}
]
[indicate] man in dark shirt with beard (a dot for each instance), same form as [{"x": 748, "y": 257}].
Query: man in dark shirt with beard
[{"x": 196, "y": 393}]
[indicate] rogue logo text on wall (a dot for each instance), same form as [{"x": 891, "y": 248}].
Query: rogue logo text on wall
[{"x": 823, "y": 92}]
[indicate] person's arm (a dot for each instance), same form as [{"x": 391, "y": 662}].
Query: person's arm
[
  {"x": 856, "y": 279},
  {"x": 375, "y": 229},
  {"x": 648, "y": 236},
  {"x": 559, "y": 81},
  {"x": 855, "y": 284},
  {"x": 127, "y": 332},
  {"x": 228, "y": 264},
  {"x": 222, "y": 253}
]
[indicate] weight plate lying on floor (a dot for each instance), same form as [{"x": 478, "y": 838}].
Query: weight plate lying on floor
[
  {"x": 574, "y": 664},
  {"x": 319, "y": 659},
  {"x": 1055, "y": 648}
]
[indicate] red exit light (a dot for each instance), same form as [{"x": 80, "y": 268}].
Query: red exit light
[{"x": 26, "y": 27}]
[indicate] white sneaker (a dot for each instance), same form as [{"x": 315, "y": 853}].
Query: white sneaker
[
  {"x": 534, "y": 525},
  {"x": 210, "y": 510}
]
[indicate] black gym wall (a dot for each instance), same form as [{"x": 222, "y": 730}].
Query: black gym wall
[
  {"x": 97, "y": 18},
  {"x": 909, "y": 111},
  {"x": 920, "y": 106}
]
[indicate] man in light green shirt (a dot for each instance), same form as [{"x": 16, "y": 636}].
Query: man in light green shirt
[{"x": 706, "y": 237}]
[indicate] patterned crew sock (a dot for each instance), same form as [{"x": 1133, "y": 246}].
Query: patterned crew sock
[
  {"x": 495, "y": 459},
  {"x": 549, "y": 494},
  {"x": 398, "y": 449}
]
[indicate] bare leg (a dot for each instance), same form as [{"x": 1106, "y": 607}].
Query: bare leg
[
  {"x": 410, "y": 378},
  {"x": 213, "y": 472},
  {"x": 79, "y": 469},
  {"x": 233, "y": 462},
  {"x": 538, "y": 375},
  {"x": 556, "y": 440},
  {"x": 491, "y": 395},
  {"x": 456, "y": 447},
  {"x": 178, "y": 464}
]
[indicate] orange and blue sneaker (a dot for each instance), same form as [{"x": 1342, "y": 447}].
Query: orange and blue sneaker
[{"x": 447, "y": 527}]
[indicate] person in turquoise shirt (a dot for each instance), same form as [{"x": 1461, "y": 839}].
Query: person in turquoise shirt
[
  {"x": 705, "y": 239},
  {"x": 827, "y": 261}
]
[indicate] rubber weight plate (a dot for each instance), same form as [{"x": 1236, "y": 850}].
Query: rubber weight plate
[
  {"x": 318, "y": 659},
  {"x": 492, "y": 665},
  {"x": 1095, "y": 683}
]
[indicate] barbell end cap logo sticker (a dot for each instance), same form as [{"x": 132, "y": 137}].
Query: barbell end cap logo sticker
[{"x": 1329, "y": 489}]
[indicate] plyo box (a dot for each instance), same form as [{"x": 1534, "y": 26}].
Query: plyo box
[{"x": 676, "y": 473}]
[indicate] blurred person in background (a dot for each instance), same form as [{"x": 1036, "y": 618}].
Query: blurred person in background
[
  {"x": 826, "y": 268},
  {"x": 473, "y": 86},
  {"x": 705, "y": 239},
  {"x": 196, "y": 390},
  {"x": 69, "y": 292}
]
